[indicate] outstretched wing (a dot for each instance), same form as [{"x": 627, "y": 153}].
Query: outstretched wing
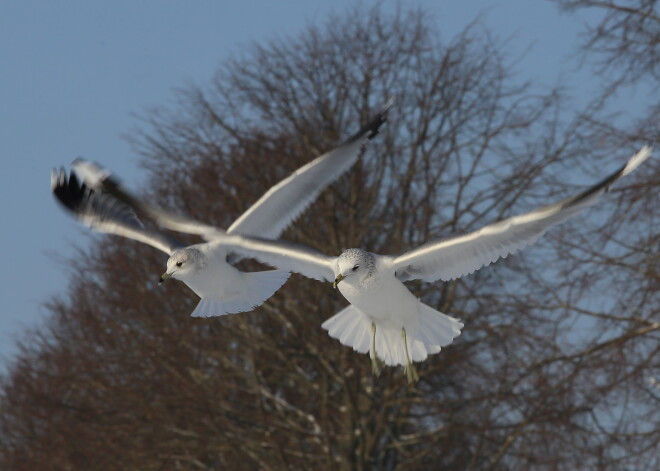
[
  {"x": 103, "y": 213},
  {"x": 273, "y": 212},
  {"x": 284, "y": 202},
  {"x": 101, "y": 178},
  {"x": 283, "y": 255},
  {"x": 455, "y": 257}
]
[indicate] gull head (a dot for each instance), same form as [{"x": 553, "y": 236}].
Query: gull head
[
  {"x": 183, "y": 263},
  {"x": 355, "y": 264}
]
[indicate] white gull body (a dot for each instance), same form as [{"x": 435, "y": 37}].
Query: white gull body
[{"x": 385, "y": 318}]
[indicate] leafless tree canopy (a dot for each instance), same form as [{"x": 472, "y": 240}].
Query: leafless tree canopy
[
  {"x": 624, "y": 46},
  {"x": 555, "y": 366},
  {"x": 626, "y": 39}
]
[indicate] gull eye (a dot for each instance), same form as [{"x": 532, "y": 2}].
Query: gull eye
[
  {"x": 178, "y": 264},
  {"x": 356, "y": 267}
]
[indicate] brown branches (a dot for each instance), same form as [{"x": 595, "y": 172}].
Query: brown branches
[{"x": 626, "y": 37}]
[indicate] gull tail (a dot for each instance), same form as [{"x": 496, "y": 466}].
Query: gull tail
[
  {"x": 351, "y": 327},
  {"x": 259, "y": 286},
  {"x": 433, "y": 331}
]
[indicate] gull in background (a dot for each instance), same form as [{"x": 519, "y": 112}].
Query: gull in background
[
  {"x": 384, "y": 318},
  {"x": 204, "y": 267}
]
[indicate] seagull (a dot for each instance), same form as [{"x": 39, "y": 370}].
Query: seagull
[
  {"x": 206, "y": 267},
  {"x": 384, "y": 318}
]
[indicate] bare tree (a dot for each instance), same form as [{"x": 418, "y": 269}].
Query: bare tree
[
  {"x": 626, "y": 38},
  {"x": 555, "y": 366}
]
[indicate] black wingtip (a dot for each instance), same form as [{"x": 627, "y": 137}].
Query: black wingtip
[
  {"x": 69, "y": 192},
  {"x": 371, "y": 129},
  {"x": 377, "y": 121},
  {"x": 113, "y": 187},
  {"x": 603, "y": 185}
]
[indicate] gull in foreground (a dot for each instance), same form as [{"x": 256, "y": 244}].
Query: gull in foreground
[
  {"x": 384, "y": 317},
  {"x": 204, "y": 267}
]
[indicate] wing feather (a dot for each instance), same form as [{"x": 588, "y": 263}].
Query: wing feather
[
  {"x": 455, "y": 257},
  {"x": 102, "y": 179},
  {"x": 283, "y": 255},
  {"x": 273, "y": 212},
  {"x": 284, "y": 202},
  {"x": 103, "y": 213}
]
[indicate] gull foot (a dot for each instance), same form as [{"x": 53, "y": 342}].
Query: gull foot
[
  {"x": 410, "y": 370},
  {"x": 376, "y": 363},
  {"x": 411, "y": 373},
  {"x": 376, "y": 366}
]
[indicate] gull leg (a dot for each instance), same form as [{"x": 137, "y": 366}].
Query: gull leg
[
  {"x": 376, "y": 363},
  {"x": 410, "y": 370}
]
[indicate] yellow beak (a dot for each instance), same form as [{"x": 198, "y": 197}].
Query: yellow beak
[
  {"x": 164, "y": 277},
  {"x": 337, "y": 280}
]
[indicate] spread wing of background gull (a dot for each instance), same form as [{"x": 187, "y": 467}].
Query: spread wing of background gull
[
  {"x": 384, "y": 317},
  {"x": 102, "y": 204},
  {"x": 275, "y": 210},
  {"x": 104, "y": 213}
]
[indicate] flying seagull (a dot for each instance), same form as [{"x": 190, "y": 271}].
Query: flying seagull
[
  {"x": 204, "y": 267},
  {"x": 384, "y": 318}
]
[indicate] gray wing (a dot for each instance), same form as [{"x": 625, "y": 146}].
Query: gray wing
[
  {"x": 284, "y": 202},
  {"x": 283, "y": 255},
  {"x": 103, "y": 213},
  {"x": 101, "y": 178},
  {"x": 455, "y": 257}
]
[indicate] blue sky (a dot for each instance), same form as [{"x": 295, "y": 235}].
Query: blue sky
[{"x": 74, "y": 73}]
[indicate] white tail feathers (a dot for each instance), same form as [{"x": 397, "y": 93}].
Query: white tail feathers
[
  {"x": 259, "y": 286},
  {"x": 434, "y": 330},
  {"x": 351, "y": 327}
]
